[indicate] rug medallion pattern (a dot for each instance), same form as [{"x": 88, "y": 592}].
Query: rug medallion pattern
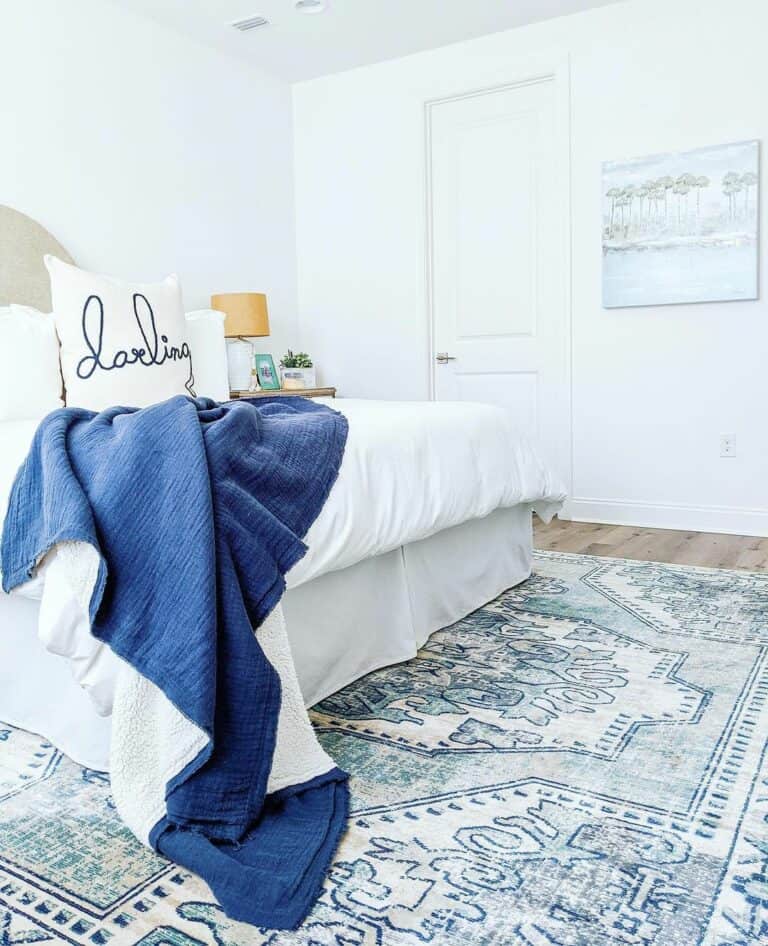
[{"x": 582, "y": 762}]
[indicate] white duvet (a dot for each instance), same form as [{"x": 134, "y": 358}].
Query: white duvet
[
  {"x": 413, "y": 468},
  {"x": 410, "y": 469}
]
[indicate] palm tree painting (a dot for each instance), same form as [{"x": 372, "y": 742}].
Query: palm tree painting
[{"x": 682, "y": 227}]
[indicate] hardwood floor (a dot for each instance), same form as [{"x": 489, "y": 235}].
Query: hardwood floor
[{"x": 659, "y": 545}]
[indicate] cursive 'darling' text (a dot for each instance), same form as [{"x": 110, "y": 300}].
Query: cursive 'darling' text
[{"x": 156, "y": 348}]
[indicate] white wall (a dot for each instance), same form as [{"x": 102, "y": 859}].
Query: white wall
[
  {"x": 653, "y": 388},
  {"x": 145, "y": 153}
]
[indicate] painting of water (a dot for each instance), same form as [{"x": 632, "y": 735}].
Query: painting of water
[{"x": 682, "y": 227}]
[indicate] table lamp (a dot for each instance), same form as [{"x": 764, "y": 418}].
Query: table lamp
[{"x": 245, "y": 316}]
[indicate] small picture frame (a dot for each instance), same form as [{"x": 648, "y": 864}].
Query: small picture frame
[{"x": 269, "y": 379}]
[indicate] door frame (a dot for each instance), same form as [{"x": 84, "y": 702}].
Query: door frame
[{"x": 529, "y": 71}]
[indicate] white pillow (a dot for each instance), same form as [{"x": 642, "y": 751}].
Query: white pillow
[
  {"x": 30, "y": 381},
  {"x": 121, "y": 343},
  {"x": 205, "y": 331}
]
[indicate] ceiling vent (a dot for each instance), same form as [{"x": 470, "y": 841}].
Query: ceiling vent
[{"x": 251, "y": 23}]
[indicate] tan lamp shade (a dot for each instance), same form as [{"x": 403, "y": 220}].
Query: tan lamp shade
[{"x": 245, "y": 313}]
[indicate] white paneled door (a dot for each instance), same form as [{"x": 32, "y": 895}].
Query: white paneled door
[{"x": 498, "y": 225}]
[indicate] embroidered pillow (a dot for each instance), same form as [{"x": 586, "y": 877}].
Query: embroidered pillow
[
  {"x": 30, "y": 381},
  {"x": 120, "y": 343}
]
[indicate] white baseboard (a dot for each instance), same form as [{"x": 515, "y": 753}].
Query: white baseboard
[{"x": 732, "y": 520}]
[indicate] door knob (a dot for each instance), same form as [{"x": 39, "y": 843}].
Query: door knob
[{"x": 442, "y": 357}]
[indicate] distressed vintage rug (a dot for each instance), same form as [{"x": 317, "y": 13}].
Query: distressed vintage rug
[{"x": 582, "y": 762}]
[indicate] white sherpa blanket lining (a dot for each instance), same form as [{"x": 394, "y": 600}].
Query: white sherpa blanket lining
[{"x": 151, "y": 740}]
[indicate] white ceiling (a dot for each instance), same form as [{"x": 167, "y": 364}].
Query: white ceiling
[{"x": 350, "y": 33}]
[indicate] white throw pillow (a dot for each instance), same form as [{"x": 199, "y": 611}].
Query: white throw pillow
[
  {"x": 30, "y": 381},
  {"x": 121, "y": 343},
  {"x": 205, "y": 331}
]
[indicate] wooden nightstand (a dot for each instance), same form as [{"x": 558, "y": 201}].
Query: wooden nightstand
[{"x": 306, "y": 392}]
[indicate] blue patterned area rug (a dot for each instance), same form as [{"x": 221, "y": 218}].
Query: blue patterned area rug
[{"x": 582, "y": 762}]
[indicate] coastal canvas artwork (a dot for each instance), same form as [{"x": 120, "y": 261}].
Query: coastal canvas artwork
[{"x": 682, "y": 227}]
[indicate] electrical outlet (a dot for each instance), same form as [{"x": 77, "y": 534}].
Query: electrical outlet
[{"x": 727, "y": 445}]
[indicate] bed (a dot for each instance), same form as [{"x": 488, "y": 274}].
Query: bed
[{"x": 429, "y": 519}]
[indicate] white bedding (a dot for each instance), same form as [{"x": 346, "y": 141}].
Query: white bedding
[
  {"x": 410, "y": 470},
  {"x": 414, "y": 468}
]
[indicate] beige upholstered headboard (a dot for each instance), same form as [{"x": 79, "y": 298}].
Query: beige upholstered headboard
[{"x": 23, "y": 276}]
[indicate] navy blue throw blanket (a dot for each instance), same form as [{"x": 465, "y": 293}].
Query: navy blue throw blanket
[{"x": 197, "y": 511}]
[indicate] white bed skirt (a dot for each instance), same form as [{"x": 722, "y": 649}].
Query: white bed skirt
[{"x": 341, "y": 626}]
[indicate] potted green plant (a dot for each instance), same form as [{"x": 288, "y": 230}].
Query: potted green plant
[{"x": 297, "y": 371}]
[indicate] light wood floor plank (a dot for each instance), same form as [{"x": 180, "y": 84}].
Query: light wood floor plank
[{"x": 658, "y": 545}]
